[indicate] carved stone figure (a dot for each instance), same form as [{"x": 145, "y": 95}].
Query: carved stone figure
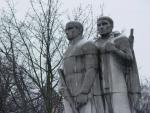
[
  {"x": 118, "y": 68},
  {"x": 80, "y": 82}
]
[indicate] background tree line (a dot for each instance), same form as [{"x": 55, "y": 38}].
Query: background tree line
[{"x": 31, "y": 51}]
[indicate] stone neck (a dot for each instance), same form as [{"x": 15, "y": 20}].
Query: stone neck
[
  {"x": 106, "y": 36},
  {"x": 76, "y": 40}
]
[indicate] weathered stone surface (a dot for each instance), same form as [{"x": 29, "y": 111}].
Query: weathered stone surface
[
  {"x": 100, "y": 77},
  {"x": 117, "y": 64},
  {"x": 80, "y": 68}
]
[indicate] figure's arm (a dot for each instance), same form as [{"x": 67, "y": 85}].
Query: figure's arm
[
  {"x": 91, "y": 71},
  {"x": 89, "y": 77},
  {"x": 91, "y": 66},
  {"x": 124, "y": 49},
  {"x": 121, "y": 48}
]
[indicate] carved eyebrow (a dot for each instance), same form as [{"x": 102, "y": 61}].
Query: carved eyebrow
[
  {"x": 68, "y": 28},
  {"x": 71, "y": 27},
  {"x": 102, "y": 23}
]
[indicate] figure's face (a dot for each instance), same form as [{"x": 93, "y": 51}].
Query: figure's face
[
  {"x": 104, "y": 27},
  {"x": 72, "y": 31}
]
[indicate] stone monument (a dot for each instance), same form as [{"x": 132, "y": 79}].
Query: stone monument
[
  {"x": 79, "y": 77},
  {"x": 120, "y": 78}
]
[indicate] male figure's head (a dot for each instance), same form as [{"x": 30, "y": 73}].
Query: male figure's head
[
  {"x": 104, "y": 25},
  {"x": 73, "y": 29}
]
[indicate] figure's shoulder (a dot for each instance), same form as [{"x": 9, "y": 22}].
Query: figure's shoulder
[
  {"x": 122, "y": 41},
  {"x": 121, "y": 38},
  {"x": 89, "y": 44},
  {"x": 89, "y": 47}
]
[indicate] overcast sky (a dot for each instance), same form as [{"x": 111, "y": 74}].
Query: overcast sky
[{"x": 125, "y": 13}]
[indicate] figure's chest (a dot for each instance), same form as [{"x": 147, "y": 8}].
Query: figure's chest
[
  {"x": 74, "y": 60},
  {"x": 73, "y": 51},
  {"x": 101, "y": 44},
  {"x": 74, "y": 64}
]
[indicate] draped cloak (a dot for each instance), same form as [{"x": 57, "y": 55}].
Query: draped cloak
[
  {"x": 76, "y": 74},
  {"x": 119, "y": 75}
]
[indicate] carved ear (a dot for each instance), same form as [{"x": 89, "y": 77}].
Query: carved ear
[{"x": 131, "y": 38}]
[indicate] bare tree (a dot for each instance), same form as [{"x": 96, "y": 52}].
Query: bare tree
[
  {"x": 33, "y": 48},
  {"x": 5, "y": 83},
  {"x": 34, "y": 43},
  {"x": 86, "y": 17},
  {"x": 143, "y": 104}
]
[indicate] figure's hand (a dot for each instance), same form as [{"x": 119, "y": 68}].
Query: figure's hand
[
  {"x": 101, "y": 49},
  {"x": 110, "y": 48},
  {"x": 81, "y": 100}
]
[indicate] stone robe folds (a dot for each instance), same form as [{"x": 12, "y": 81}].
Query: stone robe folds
[
  {"x": 119, "y": 78},
  {"x": 80, "y": 66}
]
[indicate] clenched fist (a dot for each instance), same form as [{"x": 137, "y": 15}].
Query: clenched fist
[
  {"x": 110, "y": 48},
  {"x": 81, "y": 100}
]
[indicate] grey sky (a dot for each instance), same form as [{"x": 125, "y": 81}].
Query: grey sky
[{"x": 125, "y": 13}]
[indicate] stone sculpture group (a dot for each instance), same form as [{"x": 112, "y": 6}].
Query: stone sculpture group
[{"x": 99, "y": 76}]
